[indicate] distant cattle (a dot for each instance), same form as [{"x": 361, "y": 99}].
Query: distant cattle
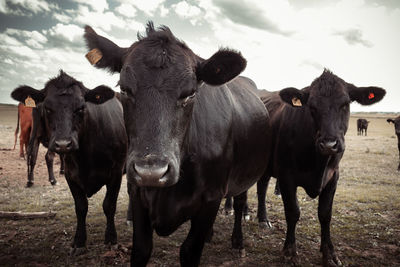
[
  {"x": 194, "y": 136},
  {"x": 362, "y": 126},
  {"x": 308, "y": 129},
  {"x": 26, "y": 120},
  {"x": 396, "y": 122},
  {"x": 89, "y": 131}
]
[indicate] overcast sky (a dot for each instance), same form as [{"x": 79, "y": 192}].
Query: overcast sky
[{"x": 286, "y": 42}]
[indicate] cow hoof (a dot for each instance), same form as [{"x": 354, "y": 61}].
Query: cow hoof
[
  {"x": 329, "y": 258},
  {"x": 129, "y": 223},
  {"x": 29, "y": 184},
  {"x": 229, "y": 212},
  {"x": 247, "y": 217},
  {"x": 241, "y": 253},
  {"x": 61, "y": 172},
  {"x": 265, "y": 225},
  {"x": 74, "y": 251},
  {"x": 54, "y": 182}
]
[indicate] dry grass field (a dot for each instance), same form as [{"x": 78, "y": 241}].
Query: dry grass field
[{"x": 365, "y": 225}]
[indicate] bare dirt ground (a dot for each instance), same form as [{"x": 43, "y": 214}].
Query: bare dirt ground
[{"x": 365, "y": 225}]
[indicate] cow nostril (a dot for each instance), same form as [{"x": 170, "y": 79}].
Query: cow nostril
[{"x": 63, "y": 144}]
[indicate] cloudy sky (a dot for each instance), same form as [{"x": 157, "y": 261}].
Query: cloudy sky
[{"x": 286, "y": 42}]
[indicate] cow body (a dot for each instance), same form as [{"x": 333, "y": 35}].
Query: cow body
[
  {"x": 362, "y": 126},
  {"x": 190, "y": 144},
  {"x": 396, "y": 122},
  {"x": 308, "y": 128},
  {"x": 25, "y": 123},
  {"x": 91, "y": 136}
]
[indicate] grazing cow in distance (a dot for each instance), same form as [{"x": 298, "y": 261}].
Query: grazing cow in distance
[
  {"x": 87, "y": 127},
  {"x": 29, "y": 125},
  {"x": 308, "y": 129},
  {"x": 396, "y": 122},
  {"x": 362, "y": 126},
  {"x": 194, "y": 137},
  {"x": 25, "y": 120}
]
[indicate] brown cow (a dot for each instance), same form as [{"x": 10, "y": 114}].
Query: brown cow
[{"x": 25, "y": 120}]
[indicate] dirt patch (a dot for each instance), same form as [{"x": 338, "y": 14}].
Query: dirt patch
[{"x": 365, "y": 223}]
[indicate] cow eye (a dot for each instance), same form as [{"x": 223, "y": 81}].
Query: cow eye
[
  {"x": 186, "y": 100},
  {"x": 48, "y": 111},
  {"x": 80, "y": 110}
]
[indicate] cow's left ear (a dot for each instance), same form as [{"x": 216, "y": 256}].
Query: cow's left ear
[
  {"x": 222, "y": 67},
  {"x": 99, "y": 95},
  {"x": 365, "y": 95},
  {"x": 294, "y": 97},
  {"x": 390, "y": 121},
  {"x": 23, "y": 92}
]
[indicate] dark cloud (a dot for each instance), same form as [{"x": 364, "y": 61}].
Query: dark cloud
[
  {"x": 248, "y": 15},
  {"x": 353, "y": 37}
]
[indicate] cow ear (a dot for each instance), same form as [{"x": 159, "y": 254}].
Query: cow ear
[
  {"x": 390, "y": 121},
  {"x": 365, "y": 95},
  {"x": 294, "y": 97},
  {"x": 24, "y": 92},
  {"x": 222, "y": 67},
  {"x": 103, "y": 53},
  {"x": 99, "y": 95}
]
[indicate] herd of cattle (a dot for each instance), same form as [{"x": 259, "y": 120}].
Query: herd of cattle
[{"x": 189, "y": 132}]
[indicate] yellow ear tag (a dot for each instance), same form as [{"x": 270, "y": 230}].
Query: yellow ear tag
[
  {"x": 29, "y": 102},
  {"x": 94, "y": 56},
  {"x": 296, "y": 102}
]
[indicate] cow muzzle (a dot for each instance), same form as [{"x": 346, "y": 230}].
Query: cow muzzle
[
  {"x": 329, "y": 147},
  {"x": 152, "y": 173},
  {"x": 63, "y": 146}
]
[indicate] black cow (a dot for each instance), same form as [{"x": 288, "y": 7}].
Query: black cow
[
  {"x": 39, "y": 136},
  {"x": 396, "y": 122},
  {"x": 308, "y": 129},
  {"x": 91, "y": 136},
  {"x": 362, "y": 126},
  {"x": 194, "y": 138}
]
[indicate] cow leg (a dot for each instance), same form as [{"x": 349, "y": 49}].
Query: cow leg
[
  {"x": 292, "y": 215},
  {"x": 81, "y": 208},
  {"x": 277, "y": 190},
  {"x": 110, "y": 206},
  {"x": 21, "y": 148},
  {"x": 49, "y": 162},
  {"x": 142, "y": 240},
  {"x": 398, "y": 146},
  {"x": 32, "y": 153},
  {"x": 262, "y": 186},
  {"x": 237, "y": 234},
  {"x": 201, "y": 224},
  {"x": 62, "y": 168},
  {"x": 228, "y": 206},
  {"x": 325, "y": 202},
  {"x": 129, "y": 213}
]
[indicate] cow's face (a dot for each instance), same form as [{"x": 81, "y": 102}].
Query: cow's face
[
  {"x": 159, "y": 80},
  {"x": 396, "y": 123},
  {"x": 63, "y": 109},
  {"x": 327, "y": 100}
]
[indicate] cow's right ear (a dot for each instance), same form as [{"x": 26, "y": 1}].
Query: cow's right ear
[
  {"x": 294, "y": 97},
  {"x": 23, "y": 92},
  {"x": 103, "y": 53},
  {"x": 390, "y": 121}
]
